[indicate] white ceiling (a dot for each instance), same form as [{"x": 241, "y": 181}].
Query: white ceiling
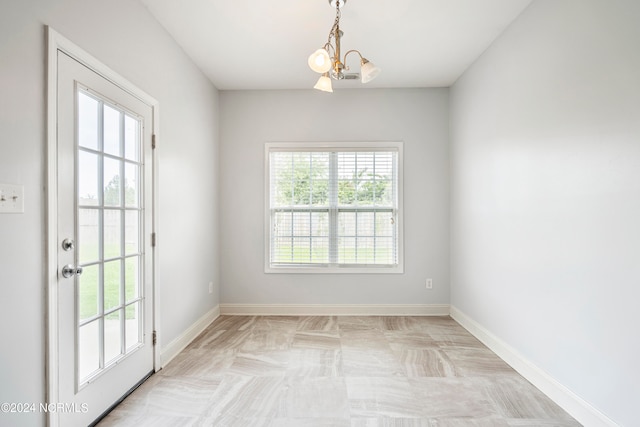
[{"x": 260, "y": 44}]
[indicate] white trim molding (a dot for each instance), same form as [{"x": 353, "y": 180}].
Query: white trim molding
[
  {"x": 184, "y": 339},
  {"x": 577, "y": 407},
  {"x": 335, "y": 309}
]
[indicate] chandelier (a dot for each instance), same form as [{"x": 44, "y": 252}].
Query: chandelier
[{"x": 326, "y": 60}]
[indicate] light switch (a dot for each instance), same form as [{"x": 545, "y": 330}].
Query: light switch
[{"x": 11, "y": 198}]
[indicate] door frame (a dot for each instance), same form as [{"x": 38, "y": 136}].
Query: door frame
[{"x": 56, "y": 42}]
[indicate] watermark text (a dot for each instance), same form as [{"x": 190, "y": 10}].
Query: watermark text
[{"x": 63, "y": 408}]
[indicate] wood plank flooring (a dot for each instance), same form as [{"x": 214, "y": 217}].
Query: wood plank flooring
[{"x": 293, "y": 371}]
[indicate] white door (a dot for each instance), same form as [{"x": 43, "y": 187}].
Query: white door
[{"x": 104, "y": 257}]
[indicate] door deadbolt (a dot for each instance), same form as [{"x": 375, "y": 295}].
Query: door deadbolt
[{"x": 68, "y": 244}]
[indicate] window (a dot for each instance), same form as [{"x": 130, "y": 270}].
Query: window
[{"x": 333, "y": 208}]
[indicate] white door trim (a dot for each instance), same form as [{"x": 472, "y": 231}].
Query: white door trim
[{"x": 55, "y": 43}]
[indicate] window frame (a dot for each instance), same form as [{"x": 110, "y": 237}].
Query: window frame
[{"x": 332, "y": 268}]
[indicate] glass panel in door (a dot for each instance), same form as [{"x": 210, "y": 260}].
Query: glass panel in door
[{"x": 110, "y": 212}]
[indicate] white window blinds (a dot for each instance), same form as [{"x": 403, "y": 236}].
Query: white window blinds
[{"x": 333, "y": 207}]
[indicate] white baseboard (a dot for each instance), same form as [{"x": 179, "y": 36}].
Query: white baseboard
[
  {"x": 172, "y": 349},
  {"x": 335, "y": 310},
  {"x": 577, "y": 407}
]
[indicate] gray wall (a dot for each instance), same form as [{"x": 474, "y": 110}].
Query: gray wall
[
  {"x": 545, "y": 187},
  {"x": 419, "y": 117},
  {"x": 123, "y": 35},
  {"x": 545, "y": 196}
]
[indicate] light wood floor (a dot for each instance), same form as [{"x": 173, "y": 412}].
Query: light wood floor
[{"x": 337, "y": 371}]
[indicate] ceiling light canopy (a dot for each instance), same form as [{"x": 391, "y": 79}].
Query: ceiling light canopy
[{"x": 326, "y": 60}]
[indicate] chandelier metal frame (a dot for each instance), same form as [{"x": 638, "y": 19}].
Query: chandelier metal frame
[{"x": 327, "y": 60}]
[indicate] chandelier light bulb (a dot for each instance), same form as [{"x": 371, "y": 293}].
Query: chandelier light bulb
[{"x": 319, "y": 61}]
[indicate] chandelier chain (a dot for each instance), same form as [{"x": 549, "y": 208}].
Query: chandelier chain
[{"x": 336, "y": 23}]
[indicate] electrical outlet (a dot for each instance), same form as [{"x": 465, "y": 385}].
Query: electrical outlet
[
  {"x": 210, "y": 287},
  {"x": 429, "y": 284}
]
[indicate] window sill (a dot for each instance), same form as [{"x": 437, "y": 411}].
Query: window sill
[{"x": 371, "y": 269}]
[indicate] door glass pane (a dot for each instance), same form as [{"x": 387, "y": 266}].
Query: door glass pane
[
  {"x": 112, "y": 336},
  {"x": 112, "y": 187},
  {"x": 88, "y": 349},
  {"x": 131, "y": 138},
  {"x": 88, "y": 235},
  {"x": 131, "y": 276},
  {"x": 132, "y": 325},
  {"x": 87, "y": 179},
  {"x": 87, "y": 121},
  {"x": 131, "y": 185},
  {"x": 111, "y": 131},
  {"x": 111, "y": 284},
  {"x": 112, "y": 233},
  {"x": 131, "y": 233},
  {"x": 88, "y": 287}
]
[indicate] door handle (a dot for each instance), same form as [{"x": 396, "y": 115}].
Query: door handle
[{"x": 70, "y": 271}]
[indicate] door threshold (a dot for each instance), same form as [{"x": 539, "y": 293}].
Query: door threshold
[{"x": 119, "y": 401}]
